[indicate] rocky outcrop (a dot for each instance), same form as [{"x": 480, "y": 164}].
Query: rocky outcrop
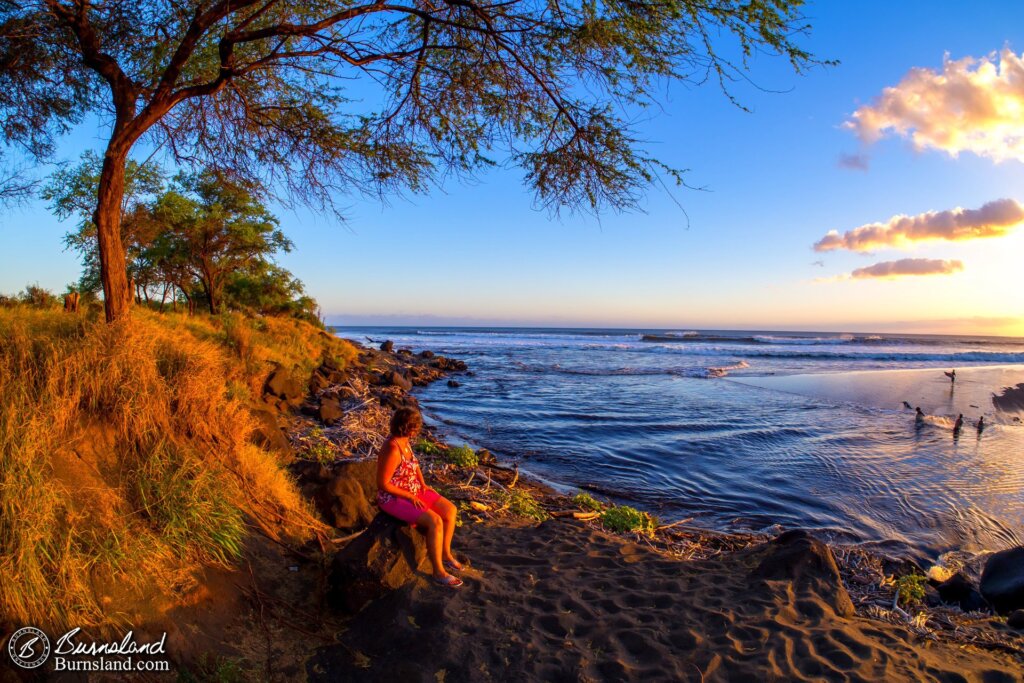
[
  {"x": 449, "y": 364},
  {"x": 394, "y": 378},
  {"x": 388, "y": 346},
  {"x": 385, "y": 557},
  {"x": 808, "y": 564},
  {"x": 958, "y": 590},
  {"x": 1002, "y": 581}
]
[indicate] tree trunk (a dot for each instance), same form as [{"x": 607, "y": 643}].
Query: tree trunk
[
  {"x": 117, "y": 294},
  {"x": 214, "y": 301}
]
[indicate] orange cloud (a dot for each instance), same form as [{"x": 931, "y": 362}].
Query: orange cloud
[
  {"x": 908, "y": 266},
  {"x": 971, "y": 105},
  {"x": 994, "y": 219}
]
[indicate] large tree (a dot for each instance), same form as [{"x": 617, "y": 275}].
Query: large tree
[{"x": 261, "y": 88}]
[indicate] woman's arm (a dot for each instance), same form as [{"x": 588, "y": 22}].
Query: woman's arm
[{"x": 419, "y": 474}]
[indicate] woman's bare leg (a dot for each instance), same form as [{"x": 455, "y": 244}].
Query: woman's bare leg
[
  {"x": 432, "y": 526},
  {"x": 447, "y": 512}
]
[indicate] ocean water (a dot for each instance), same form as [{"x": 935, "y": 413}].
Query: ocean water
[{"x": 751, "y": 430}]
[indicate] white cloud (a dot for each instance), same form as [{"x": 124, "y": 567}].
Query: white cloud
[
  {"x": 908, "y": 266},
  {"x": 971, "y": 105},
  {"x": 994, "y": 219}
]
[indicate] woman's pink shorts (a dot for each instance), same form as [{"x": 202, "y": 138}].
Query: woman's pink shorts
[{"x": 406, "y": 511}]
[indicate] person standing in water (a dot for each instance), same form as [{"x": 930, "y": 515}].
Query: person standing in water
[
  {"x": 981, "y": 423},
  {"x": 959, "y": 425},
  {"x": 919, "y": 417},
  {"x": 952, "y": 376}
]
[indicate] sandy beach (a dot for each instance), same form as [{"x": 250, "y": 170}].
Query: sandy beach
[{"x": 561, "y": 601}]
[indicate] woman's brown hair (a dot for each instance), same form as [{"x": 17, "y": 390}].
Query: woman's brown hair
[{"x": 405, "y": 422}]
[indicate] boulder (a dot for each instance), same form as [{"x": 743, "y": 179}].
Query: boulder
[
  {"x": 332, "y": 373},
  {"x": 349, "y": 509},
  {"x": 1002, "y": 581},
  {"x": 383, "y": 558},
  {"x": 341, "y": 394},
  {"x": 806, "y": 562},
  {"x": 318, "y": 382},
  {"x": 959, "y": 591},
  {"x": 485, "y": 457},
  {"x": 348, "y": 500},
  {"x": 281, "y": 384},
  {"x": 390, "y": 401},
  {"x": 329, "y": 412},
  {"x": 1016, "y": 620},
  {"x": 396, "y": 379},
  {"x": 269, "y": 433},
  {"x": 453, "y": 384},
  {"x": 387, "y": 346},
  {"x": 404, "y": 352},
  {"x": 426, "y": 354},
  {"x": 931, "y": 596}
]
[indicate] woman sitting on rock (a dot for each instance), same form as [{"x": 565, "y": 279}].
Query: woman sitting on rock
[{"x": 402, "y": 493}]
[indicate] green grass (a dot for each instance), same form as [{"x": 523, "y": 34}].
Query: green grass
[
  {"x": 585, "y": 501},
  {"x": 462, "y": 456},
  {"x": 621, "y": 518}
]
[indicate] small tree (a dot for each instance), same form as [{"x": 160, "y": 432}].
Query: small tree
[
  {"x": 215, "y": 226},
  {"x": 256, "y": 87},
  {"x": 269, "y": 289}
]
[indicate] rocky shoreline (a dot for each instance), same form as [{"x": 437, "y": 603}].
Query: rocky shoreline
[{"x": 369, "y": 563}]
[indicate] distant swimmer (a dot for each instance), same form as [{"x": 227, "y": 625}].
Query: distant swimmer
[
  {"x": 958, "y": 425},
  {"x": 907, "y": 406},
  {"x": 951, "y": 375},
  {"x": 981, "y": 423},
  {"x": 919, "y": 416}
]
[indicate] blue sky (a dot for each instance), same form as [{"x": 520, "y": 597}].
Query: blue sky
[{"x": 740, "y": 257}]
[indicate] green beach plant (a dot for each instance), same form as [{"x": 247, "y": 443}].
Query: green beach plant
[
  {"x": 462, "y": 456},
  {"x": 620, "y": 518},
  {"x": 911, "y": 588},
  {"x": 427, "y": 447},
  {"x": 522, "y": 503},
  {"x": 585, "y": 501},
  {"x": 318, "y": 447}
]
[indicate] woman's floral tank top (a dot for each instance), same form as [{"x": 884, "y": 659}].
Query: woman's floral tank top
[{"x": 405, "y": 478}]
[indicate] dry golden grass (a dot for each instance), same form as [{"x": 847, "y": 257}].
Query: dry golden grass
[{"x": 125, "y": 453}]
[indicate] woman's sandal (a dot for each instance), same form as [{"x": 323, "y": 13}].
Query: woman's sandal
[
  {"x": 448, "y": 581},
  {"x": 453, "y": 566}
]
